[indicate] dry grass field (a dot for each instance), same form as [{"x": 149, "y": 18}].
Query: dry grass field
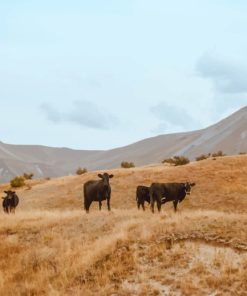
[{"x": 51, "y": 247}]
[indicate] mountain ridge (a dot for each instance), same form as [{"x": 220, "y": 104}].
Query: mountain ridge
[{"x": 228, "y": 135}]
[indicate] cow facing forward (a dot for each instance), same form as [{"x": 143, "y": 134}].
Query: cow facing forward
[
  {"x": 142, "y": 195},
  {"x": 10, "y": 201},
  {"x": 164, "y": 192},
  {"x": 97, "y": 190}
]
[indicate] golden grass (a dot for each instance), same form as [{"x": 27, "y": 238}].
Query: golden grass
[{"x": 51, "y": 247}]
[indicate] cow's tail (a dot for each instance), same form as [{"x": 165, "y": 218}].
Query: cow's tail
[
  {"x": 137, "y": 190},
  {"x": 84, "y": 192}
]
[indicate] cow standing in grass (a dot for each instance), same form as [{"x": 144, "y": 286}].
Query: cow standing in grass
[
  {"x": 97, "y": 190},
  {"x": 10, "y": 201},
  {"x": 142, "y": 195},
  {"x": 164, "y": 192}
]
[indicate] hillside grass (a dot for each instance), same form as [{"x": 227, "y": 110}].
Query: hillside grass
[{"x": 51, "y": 247}]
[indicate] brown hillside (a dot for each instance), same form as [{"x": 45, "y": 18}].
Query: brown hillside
[
  {"x": 220, "y": 184},
  {"x": 51, "y": 247}
]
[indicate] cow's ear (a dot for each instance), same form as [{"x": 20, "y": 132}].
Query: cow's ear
[
  {"x": 192, "y": 184},
  {"x": 111, "y": 176},
  {"x": 99, "y": 175},
  {"x": 6, "y": 192},
  {"x": 3, "y": 197},
  {"x": 13, "y": 192}
]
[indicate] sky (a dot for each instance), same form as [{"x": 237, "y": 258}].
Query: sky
[{"x": 103, "y": 74}]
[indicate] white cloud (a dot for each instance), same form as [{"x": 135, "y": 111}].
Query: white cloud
[
  {"x": 227, "y": 76},
  {"x": 83, "y": 113},
  {"x": 172, "y": 118}
]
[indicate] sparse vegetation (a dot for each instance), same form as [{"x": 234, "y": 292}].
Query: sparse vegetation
[
  {"x": 51, "y": 247},
  {"x": 81, "y": 171},
  {"x": 242, "y": 153},
  {"x": 218, "y": 154},
  {"x": 177, "y": 160},
  {"x": 203, "y": 156},
  {"x": 17, "y": 181},
  {"x": 28, "y": 176},
  {"x": 126, "y": 164}
]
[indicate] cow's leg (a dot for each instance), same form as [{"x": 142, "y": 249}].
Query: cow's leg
[
  {"x": 143, "y": 207},
  {"x": 151, "y": 201},
  {"x": 100, "y": 205},
  {"x": 108, "y": 204},
  {"x": 175, "y": 203},
  {"x": 138, "y": 205},
  {"x": 159, "y": 204},
  {"x": 152, "y": 205},
  {"x": 87, "y": 206}
]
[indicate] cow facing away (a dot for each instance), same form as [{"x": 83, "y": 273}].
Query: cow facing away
[
  {"x": 164, "y": 192},
  {"x": 97, "y": 190},
  {"x": 142, "y": 195},
  {"x": 10, "y": 201}
]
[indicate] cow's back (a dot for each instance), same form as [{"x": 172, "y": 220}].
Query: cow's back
[
  {"x": 157, "y": 187},
  {"x": 139, "y": 190},
  {"x": 142, "y": 193},
  {"x": 14, "y": 201},
  {"x": 92, "y": 189},
  {"x": 174, "y": 190},
  {"x": 169, "y": 190},
  {"x": 90, "y": 186}
]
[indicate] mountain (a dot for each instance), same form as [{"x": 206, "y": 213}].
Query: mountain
[{"x": 228, "y": 135}]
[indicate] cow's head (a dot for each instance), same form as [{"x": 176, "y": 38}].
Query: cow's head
[
  {"x": 187, "y": 187},
  {"x": 105, "y": 178},
  {"x": 9, "y": 193}
]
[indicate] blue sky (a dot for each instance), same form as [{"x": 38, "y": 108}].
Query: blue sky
[{"x": 102, "y": 74}]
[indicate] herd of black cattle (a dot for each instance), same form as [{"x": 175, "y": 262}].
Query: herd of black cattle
[{"x": 99, "y": 190}]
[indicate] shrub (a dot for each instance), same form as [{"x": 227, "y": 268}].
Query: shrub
[
  {"x": 17, "y": 181},
  {"x": 177, "y": 160},
  {"x": 203, "y": 156},
  {"x": 242, "y": 153},
  {"x": 126, "y": 164},
  {"x": 81, "y": 171},
  {"x": 218, "y": 154},
  {"x": 168, "y": 160},
  {"x": 28, "y": 176}
]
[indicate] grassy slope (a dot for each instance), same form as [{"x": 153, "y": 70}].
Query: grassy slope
[{"x": 52, "y": 247}]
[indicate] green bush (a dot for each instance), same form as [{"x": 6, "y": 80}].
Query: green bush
[
  {"x": 81, "y": 171},
  {"x": 126, "y": 164},
  {"x": 17, "y": 181},
  {"x": 177, "y": 160},
  {"x": 218, "y": 154},
  {"x": 203, "y": 156},
  {"x": 28, "y": 176}
]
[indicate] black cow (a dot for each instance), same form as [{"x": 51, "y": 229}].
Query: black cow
[
  {"x": 142, "y": 195},
  {"x": 10, "y": 201},
  {"x": 97, "y": 190},
  {"x": 164, "y": 192}
]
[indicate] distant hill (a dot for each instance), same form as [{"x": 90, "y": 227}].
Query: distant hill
[{"x": 228, "y": 135}]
